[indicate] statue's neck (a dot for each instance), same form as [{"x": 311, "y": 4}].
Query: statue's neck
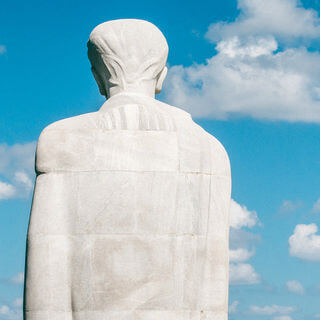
[{"x": 147, "y": 90}]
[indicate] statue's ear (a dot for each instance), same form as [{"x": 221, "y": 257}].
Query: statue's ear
[
  {"x": 160, "y": 80},
  {"x": 100, "y": 83}
]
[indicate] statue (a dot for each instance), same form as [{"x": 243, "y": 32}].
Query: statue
[{"x": 130, "y": 211}]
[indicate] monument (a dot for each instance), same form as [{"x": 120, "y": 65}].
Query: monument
[{"x": 129, "y": 219}]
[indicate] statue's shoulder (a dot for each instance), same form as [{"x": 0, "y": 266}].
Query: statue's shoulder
[
  {"x": 199, "y": 149},
  {"x": 213, "y": 154},
  {"x": 80, "y": 122},
  {"x": 212, "y": 141},
  {"x": 57, "y": 131},
  {"x": 62, "y": 137}
]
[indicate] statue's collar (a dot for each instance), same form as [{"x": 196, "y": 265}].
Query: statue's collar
[{"x": 126, "y": 98}]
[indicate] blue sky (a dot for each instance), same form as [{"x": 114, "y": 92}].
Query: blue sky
[{"x": 249, "y": 73}]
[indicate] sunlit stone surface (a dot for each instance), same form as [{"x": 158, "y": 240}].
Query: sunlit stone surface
[{"x": 130, "y": 211}]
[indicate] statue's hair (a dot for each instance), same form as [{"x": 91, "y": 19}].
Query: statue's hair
[{"x": 132, "y": 50}]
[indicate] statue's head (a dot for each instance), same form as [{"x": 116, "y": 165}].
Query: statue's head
[{"x": 128, "y": 55}]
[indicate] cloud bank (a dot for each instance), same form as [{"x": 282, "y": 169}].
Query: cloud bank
[
  {"x": 285, "y": 19},
  {"x": 250, "y": 74}
]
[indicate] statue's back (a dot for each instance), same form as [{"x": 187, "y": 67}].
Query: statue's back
[{"x": 130, "y": 217}]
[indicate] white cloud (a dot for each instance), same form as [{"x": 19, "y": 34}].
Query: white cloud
[
  {"x": 240, "y": 255},
  {"x": 316, "y": 206},
  {"x": 241, "y": 240},
  {"x": 275, "y": 86},
  {"x": 282, "y": 318},
  {"x": 18, "y": 278},
  {"x": 241, "y": 243},
  {"x": 295, "y": 286},
  {"x": 271, "y": 310},
  {"x": 17, "y": 167},
  {"x": 6, "y": 190},
  {"x": 290, "y": 206},
  {"x": 241, "y": 217},
  {"x": 3, "y": 49},
  {"x": 304, "y": 243},
  {"x": 252, "y": 48},
  {"x": 248, "y": 76},
  {"x": 233, "y": 308},
  {"x": 243, "y": 274},
  {"x": 285, "y": 19}
]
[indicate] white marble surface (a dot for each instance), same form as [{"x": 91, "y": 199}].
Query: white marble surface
[{"x": 130, "y": 212}]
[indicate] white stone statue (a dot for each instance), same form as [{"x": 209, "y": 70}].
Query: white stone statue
[{"x": 129, "y": 219}]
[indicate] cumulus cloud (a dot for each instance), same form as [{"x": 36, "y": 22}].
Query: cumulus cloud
[
  {"x": 240, "y": 239},
  {"x": 251, "y": 48},
  {"x": 304, "y": 243},
  {"x": 249, "y": 76},
  {"x": 295, "y": 286},
  {"x": 243, "y": 274},
  {"x": 240, "y": 255},
  {"x": 250, "y": 80},
  {"x": 285, "y": 19},
  {"x": 16, "y": 169},
  {"x": 6, "y": 190},
  {"x": 271, "y": 310},
  {"x": 241, "y": 217},
  {"x": 233, "y": 308}
]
